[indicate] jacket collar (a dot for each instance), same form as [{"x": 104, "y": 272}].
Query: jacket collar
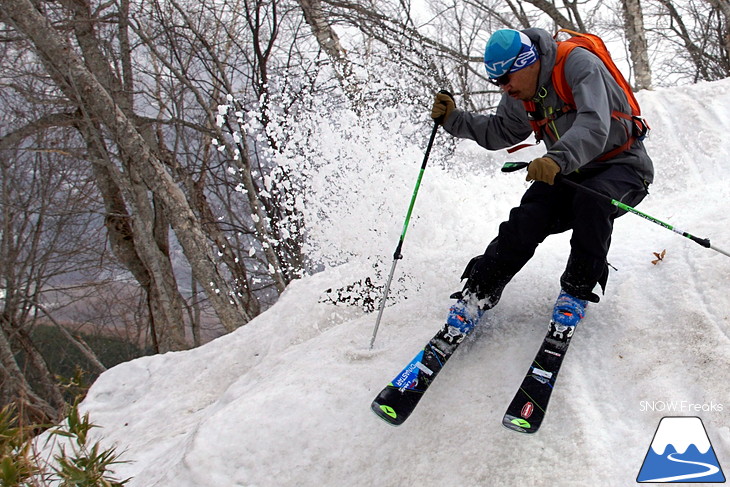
[{"x": 547, "y": 48}]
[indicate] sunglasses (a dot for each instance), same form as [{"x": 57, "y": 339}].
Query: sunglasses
[{"x": 504, "y": 79}]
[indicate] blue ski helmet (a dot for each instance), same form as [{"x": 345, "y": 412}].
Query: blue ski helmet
[{"x": 507, "y": 51}]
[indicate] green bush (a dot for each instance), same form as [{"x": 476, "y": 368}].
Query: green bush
[{"x": 76, "y": 461}]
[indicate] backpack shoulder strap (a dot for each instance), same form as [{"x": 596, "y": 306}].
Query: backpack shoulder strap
[{"x": 560, "y": 82}]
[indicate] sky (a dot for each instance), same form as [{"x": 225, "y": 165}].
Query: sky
[{"x": 285, "y": 400}]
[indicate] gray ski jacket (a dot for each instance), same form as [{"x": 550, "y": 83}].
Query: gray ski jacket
[{"x": 584, "y": 134}]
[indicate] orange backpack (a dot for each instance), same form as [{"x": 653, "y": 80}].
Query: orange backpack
[{"x": 595, "y": 45}]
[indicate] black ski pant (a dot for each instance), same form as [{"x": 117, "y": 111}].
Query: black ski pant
[{"x": 546, "y": 210}]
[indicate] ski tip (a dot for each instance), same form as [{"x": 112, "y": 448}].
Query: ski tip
[
  {"x": 520, "y": 425},
  {"x": 387, "y": 414}
]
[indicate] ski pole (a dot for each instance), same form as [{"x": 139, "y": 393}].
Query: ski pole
[
  {"x": 705, "y": 242},
  {"x": 397, "y": 255}
]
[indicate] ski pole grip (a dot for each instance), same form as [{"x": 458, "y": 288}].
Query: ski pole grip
[{"x": 514, "y": 166}]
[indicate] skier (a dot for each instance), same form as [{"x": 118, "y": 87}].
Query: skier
[{"x": 592, "y": 144}]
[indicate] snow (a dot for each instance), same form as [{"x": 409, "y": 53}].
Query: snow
[{"x": 285, "y": 399}]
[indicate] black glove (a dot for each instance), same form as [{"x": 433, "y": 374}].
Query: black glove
[{"x": 443, "y": 105}]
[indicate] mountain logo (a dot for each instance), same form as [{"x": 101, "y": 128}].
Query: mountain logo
[{"x": 681, "y": 452}]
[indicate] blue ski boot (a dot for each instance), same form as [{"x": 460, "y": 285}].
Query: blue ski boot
[
  {"x": 569, "y": 310},
  {"x": 567, "y": 313},
  {"x": 462, "y": 319}
]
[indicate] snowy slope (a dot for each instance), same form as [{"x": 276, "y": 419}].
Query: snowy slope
[{"x": 285, "y": 400}]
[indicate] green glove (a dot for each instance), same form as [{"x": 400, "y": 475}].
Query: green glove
[
  {"x": 542, "y": 169},
  {"x": 443, "y": 105}
]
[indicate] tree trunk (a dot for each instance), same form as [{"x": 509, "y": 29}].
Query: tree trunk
[
  {"x": 636, "y": 35},
  {"x": 163, "y": 298}
]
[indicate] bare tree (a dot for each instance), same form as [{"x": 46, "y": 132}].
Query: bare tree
[
  {"x": 205, "y": 42},
  {"x": 45, "y": 200},
  {"x": 160, "y": 171},
  {"x": 329, "y": 41},
  {"x": 723, "y": 7},
  {"x": 696, "y": 33},
  {"x": 78, "y": 83}
]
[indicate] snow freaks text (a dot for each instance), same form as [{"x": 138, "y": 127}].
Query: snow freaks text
[{"x": 680, "y": 407}]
